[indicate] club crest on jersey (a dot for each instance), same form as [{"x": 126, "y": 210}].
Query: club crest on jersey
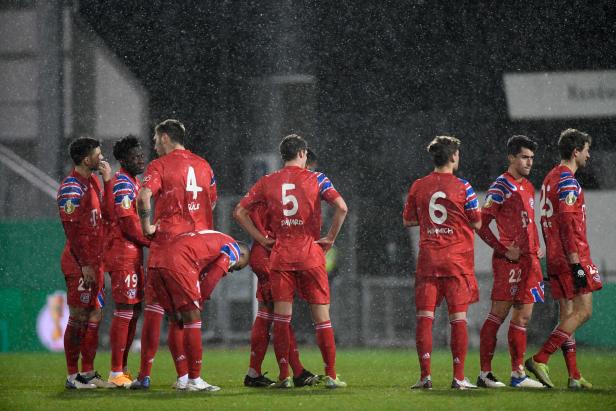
[
  {"x": 85, "y": 298},
  {"x": 488, "y": 202},
  {"x": 126, "y": 203},
  {"x": 69, "y": 207},
  {"x": 570, "y": 199}
]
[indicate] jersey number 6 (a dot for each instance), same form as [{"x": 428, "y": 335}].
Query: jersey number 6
[{"x": 433, "y": 207}]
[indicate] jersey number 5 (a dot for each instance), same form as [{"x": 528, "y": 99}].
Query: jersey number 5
[
  {"x": 191, "y": 183},
  {"x": 289, "y": 198},
  {"x": 433, "y": 207}
]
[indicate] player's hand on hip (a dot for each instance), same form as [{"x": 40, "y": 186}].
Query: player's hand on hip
[
  {"x": 326, "y": 243},
  {"x": 89, "y": 276},
  {"x": 513, "y": 253},
  {"x": 105, "y": 170},
  {"x": 540, "y": 253},
  {"x": 149, "y": 230},
  {"x": 268, "y": 243}
]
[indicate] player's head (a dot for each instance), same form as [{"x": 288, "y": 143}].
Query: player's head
[
  {"x": 445, "y": 151},
  {"x": 521, "y": 153},
  {"x": 311, "y": 159},
  {"x": 574, "y": 145},
  {"x": 244, "y": 257},
  {"x": 86, "y": 151},
  {"x": 168, "y": 134},
  {"x": 293, "y": 147},
  {"x": 129, "y": 153}
]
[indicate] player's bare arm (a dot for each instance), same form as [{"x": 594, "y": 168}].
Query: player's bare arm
[
  {"x": 89, "y": 276},
  {"x": 144, "y": 211},
  {"x": 340, "y": 212},
  {"x": 242, "y": 216},
  {"x": 475, "y": 225},
  {"x": 409, "y": 223}
]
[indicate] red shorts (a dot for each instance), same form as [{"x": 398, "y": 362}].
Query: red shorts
[
  {"x": 562, "y": 284},
  {"x": 520, "y": 282},
  {"x": 79, "y": 296},
  {"x": 127, "y": 285},
  {"x": 311, "y": 285},
  {"x": 458, "y": 292},
  {"x": 174, "y": 291}
]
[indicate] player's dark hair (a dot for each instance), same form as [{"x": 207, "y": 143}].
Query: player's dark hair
[
  {"x": 516, "y": 143},
  {"x": 572, "y": 139},
  {"x": 442, "y": 148},
  {"x": 291, "y": 145},
  {"x": 173, "y": 128},
  {"x": 82, "y": 147},
  {"x": 123, "y": 146},
  {"x": 311, "y": 156}
]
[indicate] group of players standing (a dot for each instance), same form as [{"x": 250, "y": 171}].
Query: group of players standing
[
  {"x": 107, "y": 226},
  {"x": 447, "y": 211}
]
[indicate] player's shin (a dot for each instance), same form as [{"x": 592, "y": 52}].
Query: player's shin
[
  {"x": 193, "y": 348},
  {"x": 294, "y": 361},
  {"x": 259, "y": 340},
  {"x": 327, "y": 345},
  {"x": 89, "y": 345},
  {"x": 570, "y": 353},
  {"x": 281, "y": 343},
  {"x": 423, "y": 341},
  {"x": 517, "y": 346},
  {"x": 118, "y": 333},
  {"x": 150, "y": 336},
  {"x": 459, "y": 346},
  {"x": 72, "y": 340},
  {"x": 487, "y": 341},
  {"x": 176, "y": 342},
  {"x": 130, "y": 337}
]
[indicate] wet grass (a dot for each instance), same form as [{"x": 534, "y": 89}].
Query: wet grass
[{"x": 378, "y": 380}]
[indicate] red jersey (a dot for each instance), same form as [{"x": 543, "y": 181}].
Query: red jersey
[
  {"x": 194, "y": 251},
  {"x": 563, "y": 220},
  {"x": 512, "y": 204},
  {"x": 293, "y": 197},
  {"x": 125, "y": 240},
  {"x": 79, "y": 203},
  {"x": 444, "y": 205},
  {"x": 184, "y": 191}
]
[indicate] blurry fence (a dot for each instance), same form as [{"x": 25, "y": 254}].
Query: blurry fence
[{"x": 377, "y": 311}]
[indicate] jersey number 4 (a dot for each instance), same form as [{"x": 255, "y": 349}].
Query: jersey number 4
[
  {"x": 289, "y": 199},
  {"x": 191, "y": 183}
]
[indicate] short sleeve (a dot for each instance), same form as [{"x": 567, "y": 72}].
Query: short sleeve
[
  {"x": 254, "y": 196},
  {"x": 152, "y": 177},
  {"x": 69, "y": 198},
  {"x": 124, "y": 193},
  {"x": 327, "y": 191},
  {"x": 471, "y": 203},
  {"x": 568, "y": 191}
]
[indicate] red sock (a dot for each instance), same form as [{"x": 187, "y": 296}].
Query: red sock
[
  {"x": 89, "y": 345},
  {"x": 259, "y": 339},
  {"x": 487, "y": 341},
  {"x": 423, "y": 342},
  {"x": 569, "y": 352},
  {"x": 281, "y": 343},
  {"x": 556, "y": 339},
  {"x": 176, "y": 343},
  {"x": 193, "y": 348},
  {"x": 120, "y": 324},
  {"x": 459, "y": 345},
  {"x": 327, "y": 345},
  {"x": 132, "y": 330},
  {"x": 294, "y": 361},
  {"x": 517, "y": 345},
  {"x": 150, "y": 336},
  {"x": 72, "y": 339}
]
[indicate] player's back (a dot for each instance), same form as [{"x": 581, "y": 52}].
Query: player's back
[
  {"x": 195, "y": 250},
  {"x": 444, "y": 205},
  {"x": 184, "y": 189},
  {"x": 293, "y": 196}
]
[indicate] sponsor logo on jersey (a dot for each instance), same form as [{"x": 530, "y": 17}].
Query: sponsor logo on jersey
[
  {"x": 126, "y": 203},
  {"x": 69, "y": 207},
  {"x": 570, "y": 199}
]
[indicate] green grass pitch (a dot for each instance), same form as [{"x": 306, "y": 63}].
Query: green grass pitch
[{"x": 378, "y": 380}]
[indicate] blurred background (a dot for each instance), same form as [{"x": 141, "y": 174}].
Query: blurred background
[{"x": 367, "y": 83}]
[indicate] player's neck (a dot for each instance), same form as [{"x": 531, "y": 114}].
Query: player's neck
[
  {"x": 571, "y": 164},
  {"x": 83, "y": 171},
  {"x": 516, "y": 176},
  {"x": 294, "y": 163},
  {"x": 171, "y": 148},
  {"x": 446, "y": 169}
]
